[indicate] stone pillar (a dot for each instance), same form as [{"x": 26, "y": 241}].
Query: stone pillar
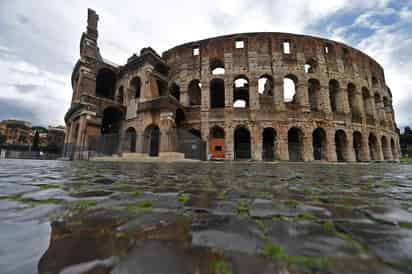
[
  {"x": 350, "y": 149},
  {"x": 167, "y": 132},
  {"x": 302, "y": 96},
  {"x": 278, "y": 94},
  {"x": 256, "y": 139},
  {"x": 307, "y": 145},
  {"x": 253, "y": 94},
  {"x": 331, "y": 146},
  {"x": 205, "y": 98},
  {"x": 345, "y": 100},
  {"x": 282, "y": 140},
  {"x": 228, "y": 92},
  {"x": 365, "y": 154},
  {"x": 379, "y": 150},
  {"x": 229, "y": 139},
  {"x": 325, "y": 99}
]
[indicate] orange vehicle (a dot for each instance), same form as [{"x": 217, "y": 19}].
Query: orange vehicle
[{"x": 217, "y": 149}]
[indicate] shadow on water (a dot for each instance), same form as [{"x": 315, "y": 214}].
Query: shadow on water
[{"x": 95, "y": 218}]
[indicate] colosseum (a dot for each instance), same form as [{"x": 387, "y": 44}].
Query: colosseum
[{"x": 258, "y": 96}]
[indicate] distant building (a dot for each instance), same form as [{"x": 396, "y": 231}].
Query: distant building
[
  {"x": 55, "y": 138},
  {"x": 17, "y": 132}
]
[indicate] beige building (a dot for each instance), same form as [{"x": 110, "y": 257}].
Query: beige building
[
  {"x": 271, "y": 96},
  {"x": 17, "y": 132}
]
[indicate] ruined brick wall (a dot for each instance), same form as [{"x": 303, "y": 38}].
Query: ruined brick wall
[{"x": 338, "y": 88}]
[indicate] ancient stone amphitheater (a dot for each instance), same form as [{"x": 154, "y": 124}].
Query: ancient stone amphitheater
[{"x": 270, "y": 96}]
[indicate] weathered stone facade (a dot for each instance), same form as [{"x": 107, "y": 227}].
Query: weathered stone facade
[{"x": 248, "y": 96}]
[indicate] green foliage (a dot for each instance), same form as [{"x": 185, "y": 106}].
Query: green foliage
[
  {"x": 292, "y": 203},
  {"x": 221, "y": 267},
  {"x": 83, "y": 205},
  {"x": 329, "y": 225},
  {"x": 274, "y": 252},
  {"x": 141, "y": 207},
  {"x": 306, "y": 216},
  {"x": 184, "y": 198},
  {"x": 242, "y": 208},
  {"x": 29, "y": 201}
]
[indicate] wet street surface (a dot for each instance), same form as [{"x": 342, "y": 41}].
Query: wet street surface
[{"x": 98, "y": 218}]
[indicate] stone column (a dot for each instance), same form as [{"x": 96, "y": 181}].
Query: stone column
[
  {"x": 379, "y": 151},
  {"x": 229, "y": 138},
  {"x": 228, "y": 92},
  {"x": 331, "y": 146},
  {"x": 253, "y": 94},
  {"x": 364, "y": 154},
  {"x": 325, "y": 99},
  {"x": 278, "y": 94},
  {"x": 307, "y": 145},
  {"x": 302, "y": 96},
  {"x": 350, "y": 149},
  {"x": 282, "y": 140},
  {"x": 345, "y": 100},
  {"x": 205, "y": 98},
  {"x": 256, "y": 139}
]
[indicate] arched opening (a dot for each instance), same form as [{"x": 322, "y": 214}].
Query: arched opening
[
  {"x": 131, "y": 138},
  {"x": 265, "y": 85},
  {"x": 385, "y": 149},
  {"x": 341, "y": 144},
  {"x": 295, "y": 144},
  {"x": 374, "y": 82},
  {"x": 269, "y": 144},
  {"x": 179, "y": 117},
  {"x": 217, "y": 67},
  {"x": 196, "y": 133},
  {"x": 174, "y": 90},
  {"x": 319, "y": 144},
  {"x": 135, "y": 86},
  {"x": 195, "y": 93},
  {"x": 333, "y": 94},
  {"x": 289, "y": 88},
  {"x": 217, "y": 143},
  {"x": 357, "y": 145},
  {"x": 120, "y": 95},
  {"x": 152, "y": 140},
  {"x": 373, "y": 147},
  {"x": 241, "y": 92},
  {"x": 217, "y": 93},
  {"x": 311, "y": 65},
  {"x": 105, "y": 83},
  {"x": 242, "y": 144},
  {"x": 161, "y": 88},
  {"x": 111, "y": 122},
  {"x": 393, "y": 149},
  {"x": 314, "y": 94}
]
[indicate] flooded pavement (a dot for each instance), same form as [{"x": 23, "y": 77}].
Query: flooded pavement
[{"x": 98, "y": 218}]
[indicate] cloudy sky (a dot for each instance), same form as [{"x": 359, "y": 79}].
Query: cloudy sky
[{"x": 39, "y": 40}]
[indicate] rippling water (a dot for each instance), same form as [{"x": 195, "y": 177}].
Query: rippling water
[{"x": 88, "y": 217}]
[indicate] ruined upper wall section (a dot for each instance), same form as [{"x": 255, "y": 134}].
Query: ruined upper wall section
[{"x": 267, "y": 50}]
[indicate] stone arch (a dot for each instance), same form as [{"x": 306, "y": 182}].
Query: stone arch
[
  {"x": 386, "y": 149},
  {"x": 357, "y": 145},
  {"x": 393, "y": 149},
  {"x": 152, "y": 140},
  {"x": 135, "y": 87},
  {"x": 105, "y": 83},
  {"x": 352, "y": 100},
  {"x": 174, "y": 90},
  {"x": 341, "y": 144},
  {"x": 217, "y": 93},
  {"x": 266, "y": 85},
  {"x": 295, "y": 144},
  {"x": 319, "y": 143},
  {"x": 367, "y": 102},
  {"x": 314, "y": 94},
  {"x": 241, "y": 92},
  {"x": 242, "y": 143},
  {"x": 311, "y": 65},
  {"x": 195, "y": 93},
  {"x": 269, "y": 144},
  {"x": 180, "y": 117},
  {"x": 334, "y": 90},
  {"x": 373, "y": 147},
  {"x": 131, "y": 138},
  {"x": 217, "y": 67},
  {"x": 111, "y": 120},
  {"x": 217, "y": 143},
  {"x": 290, "y": 82}
]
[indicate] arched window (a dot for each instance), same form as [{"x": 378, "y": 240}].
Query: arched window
[
  {"x": 311, "y": 65},
  {"x": 195, "y": 93},
  {"x": 152, "y": 140},
  {"x": 130, "y": 140},
  {"x": 314, "y": 94},
  {"x": 352, "y": 98},
  {"x": 269, "y": 144},
  {"x": 217, "y": 93},
  {"x": 367, "y": 104},
  {"x": 217, "y": 67},
  {"x": 387, "y": 154},
  {"x": 319, "y": 144},
  {"x": 357, "y": 145},
  {"x": 295, "y": 144},
  {"x": 289, "y": 88},
  {"x": 373, "y": 147},
  {"x": 174, "y": 90},
  {"x": 179, "y": 117},
  {"x": 333, "y": 94},
  {"x": 111, "y": 120},
  {"x": 105, "y": 83},
  {"x": 341, "y": 144},
  {"x": 265, "y": 85},
  {"x": 135, "y": 86},
  {"x": 241, "y": 92},
  {"x": 374, "y": 81},
  {"x": 242, "y": 143}
]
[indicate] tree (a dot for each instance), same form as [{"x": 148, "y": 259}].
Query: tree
[{"x": 36, "y": 141}]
